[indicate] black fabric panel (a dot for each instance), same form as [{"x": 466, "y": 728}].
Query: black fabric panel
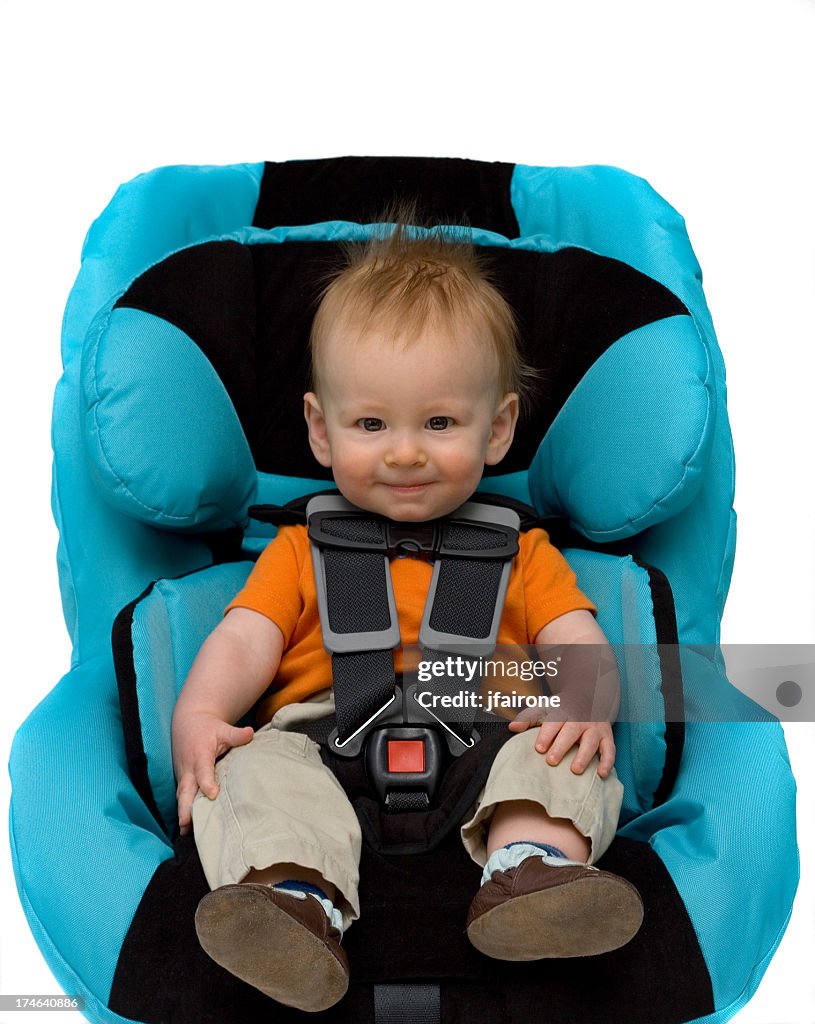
[
  {"x": 164, "y": 977},
  {"x": 358, "y": 188},
  {"x": 288, "y": 281},
  {"x": 571, "y": 306},
  {"x": 660, "y": 977},
  {"x": 207, "y": 291},
  {"x": 412, "y": 929},
  {"x": 250, "y": 310},
  {"x": 122, "y": 642},
  {"x": 673, "y": 694}
]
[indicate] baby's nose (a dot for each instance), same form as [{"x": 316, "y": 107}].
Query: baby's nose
[{"x": 405, "y": 450}]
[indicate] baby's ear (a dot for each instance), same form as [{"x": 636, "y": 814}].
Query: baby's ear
[
  {"x": 503, "y": 429},
  {"x": 317, "y": 431}
]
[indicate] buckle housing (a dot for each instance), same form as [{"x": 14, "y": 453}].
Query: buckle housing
[{"x": 420, "y": 782}]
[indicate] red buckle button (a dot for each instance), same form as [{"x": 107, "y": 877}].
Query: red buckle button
[{"x": 405, "y": 755}]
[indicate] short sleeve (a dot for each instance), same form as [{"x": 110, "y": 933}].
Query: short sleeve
[
  {"x": 550, "y": 585},
  {"x": 273, "y": 587}
]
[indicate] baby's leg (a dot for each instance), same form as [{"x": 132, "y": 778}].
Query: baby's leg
[
  {"x": 280, "y": 816},
  {"x": 517, "y": 821},
  {"x": 527, "y": 799},
  {"x": 535, "y": 830}
]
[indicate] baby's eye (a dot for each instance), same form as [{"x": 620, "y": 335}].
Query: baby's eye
[
  {"x": 371, "y": 423},
  {"x": 440, "y": 422}
]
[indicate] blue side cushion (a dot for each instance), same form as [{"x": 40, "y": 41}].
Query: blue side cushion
[
  {"x": 164, "y": 443},
  {"x": 167, "y": 628},
  {"x": 624, "y": 594},
  {"x": 630, "y": 446},
  {"x": 168, "y": 625}
]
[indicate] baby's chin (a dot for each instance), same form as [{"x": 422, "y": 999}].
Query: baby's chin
[{"x": 405, "y": 504}]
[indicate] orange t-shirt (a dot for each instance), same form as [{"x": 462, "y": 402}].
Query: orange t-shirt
[{"x": 281, "y": 586}]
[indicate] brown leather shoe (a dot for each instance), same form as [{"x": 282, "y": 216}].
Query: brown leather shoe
[
  {"x": 534, "y": 911},
  {"x": 284, "y": 946}
]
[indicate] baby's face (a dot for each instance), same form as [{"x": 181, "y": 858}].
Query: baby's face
[{"x": 408, "y": 429}]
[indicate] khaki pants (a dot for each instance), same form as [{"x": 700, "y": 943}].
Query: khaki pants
[{"x": 279, "y": 804}]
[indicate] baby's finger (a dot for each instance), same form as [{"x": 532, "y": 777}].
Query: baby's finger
[
  {"x": 205, "y": 778},
  {"x": 185, "y": 794},
  {"x": 184, "y": 817},
  {"x": 607, "y": 754},
  {"x": 546, "y": 735},
  {"x": 230, "y": 736},
  {"x": 563, "y": 742},
  {"x": 586, "y": 750}
]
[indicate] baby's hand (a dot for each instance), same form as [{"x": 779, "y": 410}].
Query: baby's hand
[
  {"x": 198, "y": 739},
  {"x": 559, "y": 737}
]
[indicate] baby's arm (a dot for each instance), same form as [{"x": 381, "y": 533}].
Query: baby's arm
[
  {"x": 234, "y": 667},
  {"x": 558, "y": 737}
]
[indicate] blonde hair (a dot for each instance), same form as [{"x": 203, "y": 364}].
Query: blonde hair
[{"x": 403, "y": 280}]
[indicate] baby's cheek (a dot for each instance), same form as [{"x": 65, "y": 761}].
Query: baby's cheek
[{"x": 465, "y": 462}]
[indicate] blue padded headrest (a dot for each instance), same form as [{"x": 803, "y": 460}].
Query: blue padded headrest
[
  {"x": 193, "y": 383},
  {"x": 164, "y": 441},
  {"x": 629, "y": 448}
]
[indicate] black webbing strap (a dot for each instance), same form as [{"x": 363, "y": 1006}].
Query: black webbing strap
[
  {"x": 407, "y": 800},
  {"x": 363, "y": 684},
  {"x": 418, "y": 1003},
  {"x": 464, "y": 601},
  {"x": 364, "y": 681},
  {"x": 467, "y": 589}
]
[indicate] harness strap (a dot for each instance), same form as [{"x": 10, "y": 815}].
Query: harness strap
[
  {"x": 416, "y": 1003},
  {"x": 470, "y": 577},
  {"x": 472, "y": 552},
  {"x": 364, "y": 686},
  {"x": 357, "y": 613},
  {"x": 407, "y": 800}
]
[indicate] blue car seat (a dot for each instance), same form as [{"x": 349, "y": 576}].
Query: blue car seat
[{"x": 180, "y": 407}]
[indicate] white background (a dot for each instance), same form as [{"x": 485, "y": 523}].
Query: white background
[{"x": 710, "y": 100}]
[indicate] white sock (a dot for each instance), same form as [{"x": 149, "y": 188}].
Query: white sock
[{"x": 511, "y": 855}]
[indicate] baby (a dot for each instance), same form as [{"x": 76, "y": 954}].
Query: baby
[{"x": 416, "y": 384}]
